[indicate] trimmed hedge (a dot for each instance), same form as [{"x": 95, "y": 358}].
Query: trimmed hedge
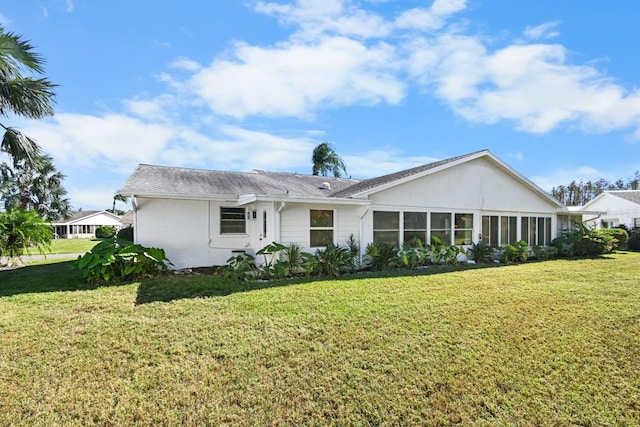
[{"x": 105, "y": 232}]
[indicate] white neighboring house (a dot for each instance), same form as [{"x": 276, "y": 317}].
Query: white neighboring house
[
  {"x": 202, "y": 217},
  {"x": 612, "y": 208},
  {"x": 83, "y": 224}
]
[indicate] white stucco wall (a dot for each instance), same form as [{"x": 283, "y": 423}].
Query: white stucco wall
[
  {"x": 615, "y": 210},
  {"x": 188, "y": 231}
]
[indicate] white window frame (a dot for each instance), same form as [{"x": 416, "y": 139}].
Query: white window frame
[
  {"x": 223, "y": 220},
  {"x": 332, "y": 228}
]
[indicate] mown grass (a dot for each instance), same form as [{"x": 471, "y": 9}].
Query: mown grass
[
  {"x": 553, "y": 343},
  {"x": 68, "y": 246}
]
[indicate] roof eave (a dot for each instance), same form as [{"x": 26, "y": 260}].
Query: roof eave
[
  {"x": 246, "y": 199},
  {"x": 159, "y": 195}
]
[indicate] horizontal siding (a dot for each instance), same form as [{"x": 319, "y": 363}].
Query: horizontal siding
[
  {"x": 478, "y": 184},
  {"x": 294, "y": 223}
]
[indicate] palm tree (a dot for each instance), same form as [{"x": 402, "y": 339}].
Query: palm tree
[
  {"x": 35, "y": 186},
  {"x": 118, "y": 198},
  {"x": 325, "y": 159},
  {"x": 22, "y": 95}
]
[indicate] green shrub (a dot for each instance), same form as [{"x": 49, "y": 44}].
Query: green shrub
[
  {"x": 240, "y": 267},
  {"x": 518, "y": 252},
  {"x": 121, "y": 259},
  {"x": 332, "y": 261},
  {"x": 353, "y": 247},
  {"x": 583, "y": 242},
  {"x": 125, "y": 234},
  {"x": 633, "y": 243},
  {"x": 293, "y": 254},
  {"x": 620, "y": 237},
  {"x": 380, "y": 257},
  {"x": 595, "y": 243},
  {"x": 273, "y": 267},
  {"x": 544, "y": 253},
  {"x": 21, "y": 229},
  {"x": 105, "y": 232},
  {"x": 451, "y": 253},
  {"x": 411, "y": 254},
  {"x": 481, "y": 252}
]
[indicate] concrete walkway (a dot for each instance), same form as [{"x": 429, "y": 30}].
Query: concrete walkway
[{"x": 26, "y": 259}]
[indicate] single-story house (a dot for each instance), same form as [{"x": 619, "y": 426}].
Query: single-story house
[
  {"x": 83, "y": 224},
  {"x": 612, "y": 208},
  {"x": 203, "y": 217}
]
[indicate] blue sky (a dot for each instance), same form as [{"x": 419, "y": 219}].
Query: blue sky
[{"x": 550, "y": 87}]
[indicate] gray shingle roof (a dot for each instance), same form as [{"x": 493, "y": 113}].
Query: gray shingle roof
[
  {"x": 149, "y": 179},
  {"x": 81, "y": 214},
  {"x": 630, "y": 195},
  {"x": 165, "y": 180},
  {"x": 385, "y": 179}
]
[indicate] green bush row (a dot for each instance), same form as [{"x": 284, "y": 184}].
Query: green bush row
[
  {"x": 582, "y": 241},
  {"x": 282, "y": 261}
]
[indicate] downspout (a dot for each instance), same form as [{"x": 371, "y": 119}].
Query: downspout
[
  {"x": 135, "y": 206},
  {"x": 364, "y": 212},
  {"x": 278, "y": 235}
]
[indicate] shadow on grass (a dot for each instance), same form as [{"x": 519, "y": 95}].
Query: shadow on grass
[
  {"x": 50, "y": 277},
  {"x": 175, "y": 287}
]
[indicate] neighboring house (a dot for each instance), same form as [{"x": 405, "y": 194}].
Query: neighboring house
[
  {"x": 84, "y": 223},
  {"x": 202, "y": 217},
  {"x": 612, "y": 208},
  {"x": 126, "y": 220}
]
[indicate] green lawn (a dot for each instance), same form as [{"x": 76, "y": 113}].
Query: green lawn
[
  {"x": 69, "y": 246},
  {"x": 551, "y": 343}
]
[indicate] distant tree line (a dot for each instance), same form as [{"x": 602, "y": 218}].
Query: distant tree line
[{"x": 579, "y": 193}]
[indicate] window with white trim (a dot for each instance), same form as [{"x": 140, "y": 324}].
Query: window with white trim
[
  {"x": 463, "y": 233},
  {"x": 636, "y": 222},
  {"x": 321, "y": 227},
  {"x": 536, "y": 231},
  {"x": 415, "y": 227},
  {"x": 232, "y": 221},
  {"x": 441, "y": 226},
  {"x": 386, "y": 228}
]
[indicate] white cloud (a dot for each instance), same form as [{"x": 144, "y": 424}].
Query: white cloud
[
  {"x": 531, "y": 85},
  {"x": 381, "y": 162},
  {"x": 432, "y": 18},
  {"x": 543, "y": 31},
  {"x": 157, "y": 109},
  {"x": 109, "y": 141},
  {"x": 186, "y": 64},
  {"x": 296, "y": 79},
  {"x": 69, "y": 6},
  {"x": 317, "y": 17},
  {"x": 4, "y": 20}
]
